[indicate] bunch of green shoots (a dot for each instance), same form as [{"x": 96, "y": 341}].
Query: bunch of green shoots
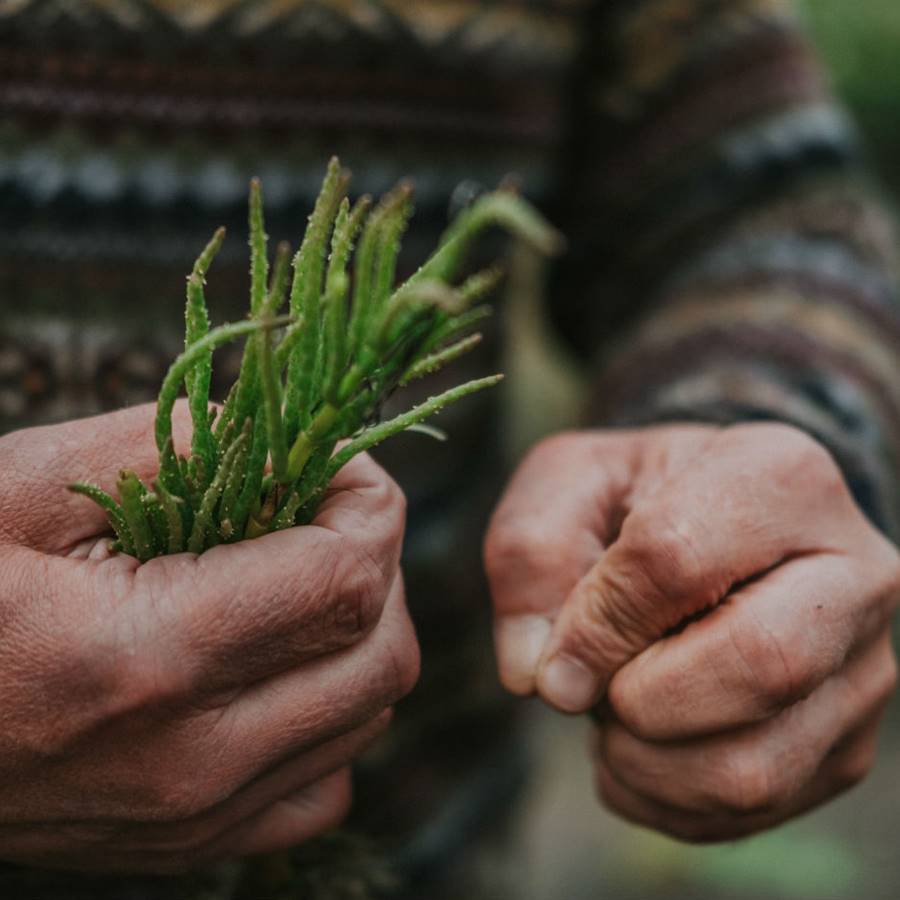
[{"x": 312, "y": 381}]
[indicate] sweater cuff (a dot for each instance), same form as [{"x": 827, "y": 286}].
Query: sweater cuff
[{"x": 735, "y": 395}]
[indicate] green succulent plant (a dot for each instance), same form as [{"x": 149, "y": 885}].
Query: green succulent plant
[{"x": 312, "y": 381}]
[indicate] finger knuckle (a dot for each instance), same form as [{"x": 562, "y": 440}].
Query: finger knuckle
[
  {"x": 176, "y": 796},
  {"x": 616, "y": 749},
  {"x": 144, "y": 683},
  {"x": 401, "y": 665},
  {"x": 526, "y": 549},
  {"x": 149, "y": 671},
  {"x": 687, "y": 829},
  {"x": 605, "y": 629},
  {"x": 396, "y": 500},
  {"x": 626, "y": 700},
  {"x": 854, "y": 767},
  {"x": 780, "y": 669},
  {"x": 359, "y": 592},
  {"x": 615, "y": 616},
  {"x": 746, "y": 783},
  {"x": 666, "y": 547},
  {"x": 510, "y": 543}
]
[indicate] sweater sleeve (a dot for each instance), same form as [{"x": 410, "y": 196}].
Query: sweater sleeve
[{"x": 731, "y": 258}]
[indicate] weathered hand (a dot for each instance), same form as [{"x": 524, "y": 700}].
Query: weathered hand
[
  {"x": 721, "y": 596},
  {"x": 157, "y": 716}
]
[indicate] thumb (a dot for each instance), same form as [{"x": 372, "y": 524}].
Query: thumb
[
  {"x": 40, "y": 463},
  {"x": 558, "y": 513},
  {"x": 618, "y": 609}
]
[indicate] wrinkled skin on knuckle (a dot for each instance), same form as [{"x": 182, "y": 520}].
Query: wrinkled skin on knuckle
[
  {"x": 651, "y": 579},
  {"x": 745, "y": 782},
  {"x": 175, "y": 793},
  {"x": 628, "y": 705},
  {"x": 618, "y": 609},
  {"x": 332, "y": 606},
  {"x": 360, "y": 591},
  {"x": 604, "y": 629},
  {"x": 148, "y": 684},
  {"x": 779, "y": 670},
  {"x": 663, "y": 549},
  {"x": 169, "y": 629},
  {"x": 153, "y": 666}
]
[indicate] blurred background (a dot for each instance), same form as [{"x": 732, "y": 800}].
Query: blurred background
[{"x": 847, "y": 850}]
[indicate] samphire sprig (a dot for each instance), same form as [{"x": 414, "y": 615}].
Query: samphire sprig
[{"x": 313, "y": 379}]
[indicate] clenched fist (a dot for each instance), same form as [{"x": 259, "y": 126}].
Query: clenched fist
[
  {"x": 157, "y": 716},
  {"x": 721, "y": 601}
]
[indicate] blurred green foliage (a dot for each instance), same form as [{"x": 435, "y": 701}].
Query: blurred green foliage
[{"x": 860, "y": 40}]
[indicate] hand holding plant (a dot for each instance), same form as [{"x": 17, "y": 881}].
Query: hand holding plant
[{"x": 159, "y": 716}]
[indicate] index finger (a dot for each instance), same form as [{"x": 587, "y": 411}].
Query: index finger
[
  {"x": 547, "y": 532},
  {"x": 40, "y": 463}
]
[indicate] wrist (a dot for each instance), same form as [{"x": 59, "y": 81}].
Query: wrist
[{"x": 747, "y": 396}]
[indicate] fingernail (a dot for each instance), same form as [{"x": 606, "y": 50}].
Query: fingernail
[
  {"x": 520, "y": 641},
  {"x": 567, "y": 684}
]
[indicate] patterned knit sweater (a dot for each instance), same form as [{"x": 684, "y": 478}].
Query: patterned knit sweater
[{"x": 730, "y": 257}]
